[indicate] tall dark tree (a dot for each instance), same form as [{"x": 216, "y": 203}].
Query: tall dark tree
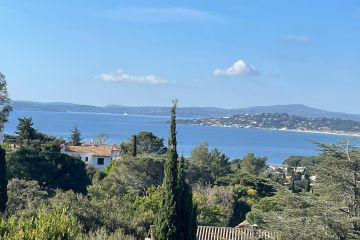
[
  {"x": 5, "y": 109},
  {"x": 75, "y": 138},
  {"x": 292, "y": 186},
  {"x": 167, "y": 226},
  {"x": 186, "y": 208},
  {"x": 177, "y": 217},
  {"x": 5, "y": 106},
  {"x": 307, "y": 185},
  {"x": 3, "y": 181},
  {"x": 134, "y": 148}
]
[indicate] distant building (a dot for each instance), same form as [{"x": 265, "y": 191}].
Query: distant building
[
  {"x": 244, "y": 231},
  {"x": 98, "y": 156}
]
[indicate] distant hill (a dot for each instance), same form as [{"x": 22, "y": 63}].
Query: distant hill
[{"x": 191, "y": 112}]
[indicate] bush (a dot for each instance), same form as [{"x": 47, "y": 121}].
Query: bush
[
  {"x": 56, "y": 224},
  {"x": 25, "y": 197},
  {"x": 50, "y": 169},
  {"x": 102, "y": 234}
]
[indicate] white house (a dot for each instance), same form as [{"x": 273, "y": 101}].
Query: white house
[{"x": 98, "y": 156}]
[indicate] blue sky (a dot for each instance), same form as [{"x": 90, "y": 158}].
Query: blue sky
[{"x": 236, "y": 53}]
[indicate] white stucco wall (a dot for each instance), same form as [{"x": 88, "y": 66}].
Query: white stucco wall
[{"x": 92, "y": 160}]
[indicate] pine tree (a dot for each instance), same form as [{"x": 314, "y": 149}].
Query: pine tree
[
  {"x": 177, "y": 217},
  {"x": 134, "y": 149},
  {"x": 3, "y": 181},
  {"x": 166, "y": 226},
  {"x": 75, "y": 138}
]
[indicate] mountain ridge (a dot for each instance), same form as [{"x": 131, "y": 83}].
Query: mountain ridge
[{"x": 193, "y": 112}]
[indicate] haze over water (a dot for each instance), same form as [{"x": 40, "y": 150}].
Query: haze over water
[{"x": 235, "y": 142}]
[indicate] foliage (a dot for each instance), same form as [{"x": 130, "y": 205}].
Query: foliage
[
  {"x": 134, "y": 149},
  {"x": 5, "y": 107},
  {"x": 102, "y": 234},
  {"x": 339, "y": 176},
  {"x": 299, "y": 161},
  {"x": 25, "y": 197},
  {"x": 139, "y": 173},
  {"x": 294, "y": 216},
  {"x": 262, "y": 186},
  {"x": 214, "y": 205},
  {"x": 29, "y": 137},
  {"x": 75, "y": 137},
  {"x": 186, "y": 210},
  {"x": 166, "y": 225},
  {"x": 50, "y": 169},
  {"x": 56, "y": 224},
  {"x": 3, "y": 181},
  {"x": 101, "y": 138},
  {"x": 79, "y": 205},
  {"x": 205, "y": 166},
  {"x": 176, "y": 217},
  {"x": 253, "y": 165},
  {"x": 25, "y": 130},
  {"x": 146, "y": 209},
  {"x": 147, "y": 143}
]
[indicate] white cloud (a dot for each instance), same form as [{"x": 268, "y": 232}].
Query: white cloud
[
  {"x": 121, "y": 77},
  {"x": 239, "y": 68},
  {"x": 159, "y": 14},
  {"x": 297, "y": 38}
]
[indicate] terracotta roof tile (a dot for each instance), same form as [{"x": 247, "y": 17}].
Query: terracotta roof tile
[{"x": 95, "y": 150}]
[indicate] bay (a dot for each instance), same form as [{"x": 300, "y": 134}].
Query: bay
[{"x": 235, "y": 142}]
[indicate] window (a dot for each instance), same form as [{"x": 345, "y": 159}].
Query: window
[
  {"x": 86, "y": 159},
  {"x": 100, "y": 161}
]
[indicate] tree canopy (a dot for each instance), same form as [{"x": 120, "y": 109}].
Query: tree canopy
[
  {"x": 146, "y": 143},
  {"x": 5, "y": 107},
  {"x": 75, "y": 137}
]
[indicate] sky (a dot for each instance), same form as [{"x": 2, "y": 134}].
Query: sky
[{"x": 229, "y": 53}]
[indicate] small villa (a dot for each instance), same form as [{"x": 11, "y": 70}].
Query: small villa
[{"x": 98, "y": 156}]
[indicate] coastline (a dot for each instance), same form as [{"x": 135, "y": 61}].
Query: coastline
[
  {"x": 338, "y": 133},
  {"x": 320, "y": 132}
]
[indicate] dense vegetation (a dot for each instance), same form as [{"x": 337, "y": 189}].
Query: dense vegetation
[
  {"x": 124, "y": 201},
  {"x": 281, "y": 121},
  {"x": 48, "y": 195}
]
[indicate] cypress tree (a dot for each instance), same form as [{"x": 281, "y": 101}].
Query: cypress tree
[
  {"x": 176, "y": 219},
  {"x": 134, "y": 149},
  {"x": 3, "y": 181},
  {"x": 186, "y": 208},
  {"x": 308, "y": 186},
  {"x": 166, "y": 225},
  {"x": 293, "y": 187}
]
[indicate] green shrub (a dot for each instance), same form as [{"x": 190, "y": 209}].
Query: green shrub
[{"x": 46, "y": 225}]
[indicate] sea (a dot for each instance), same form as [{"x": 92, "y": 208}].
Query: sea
[{"x": 234, "y": 142}]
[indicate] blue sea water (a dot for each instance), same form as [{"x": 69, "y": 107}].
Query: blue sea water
[{"x": 235, "y": 142}]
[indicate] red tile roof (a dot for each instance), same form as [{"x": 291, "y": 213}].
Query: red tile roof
[{"x": 95, "y": 150}]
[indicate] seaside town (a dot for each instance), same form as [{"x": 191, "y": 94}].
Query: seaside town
[{"x": 284, "y": 122}]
